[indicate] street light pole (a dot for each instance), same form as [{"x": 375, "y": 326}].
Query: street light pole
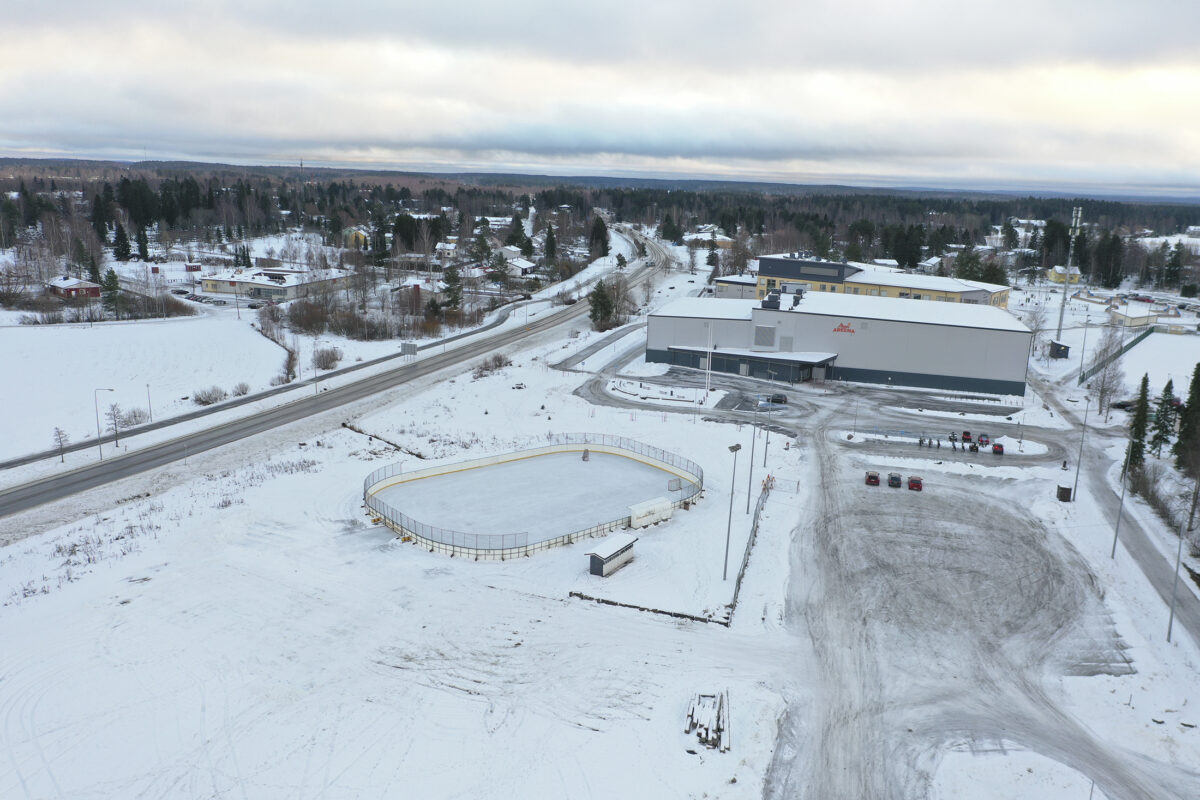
[
  {"x": 733, "y": 448},
  {"x": 750, "y": 464},
  {"x": 96, "y": 406},
  {"x": 149, "y": 407},
  {"x": 1087, "y": 405},
  {"x": 1121, "y": 507},
  {"x": 1175, "y": 585}
]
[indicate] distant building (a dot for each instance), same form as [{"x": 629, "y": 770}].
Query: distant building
[
  {"x": 73, "y": 288},
  {"x": 275, "y": 284},
  {"x": 1059, "y": 275},
  {"x": 736, "y": 287},
  {"x": 1133, "y": 315}
]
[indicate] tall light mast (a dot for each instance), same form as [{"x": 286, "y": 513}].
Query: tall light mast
[{"x": 1076, "y": 221}]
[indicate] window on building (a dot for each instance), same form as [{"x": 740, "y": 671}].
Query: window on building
[
  {"x": 770, "y": 283},
  {"x": 856, "y": 290}
]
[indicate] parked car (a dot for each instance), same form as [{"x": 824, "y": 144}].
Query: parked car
[
  {"x": 219, "y": 302},
  {"x": 179, "y": 291},
  {"x": 779, "y": 399},
  {"x": 254, "y": 305},
  {"x": 984, "y": 439},
  {"x": 1141, "y": 298},
  {"x": 1123, "y": 405},
  {"x": 872, "y": 478},
  {"x": 998, "y": 449},
  {"x": 894, "y": 480},
  {"x": 914, "y": 483},
  {"x": 966, "y": 437}
]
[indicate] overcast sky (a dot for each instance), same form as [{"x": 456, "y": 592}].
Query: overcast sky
[{"x": 1036, "y": 95}]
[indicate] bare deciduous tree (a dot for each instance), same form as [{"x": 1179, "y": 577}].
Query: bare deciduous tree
[
  {"x": 61, "y": 440},
  {"x": 113, "y": 416},
  {"x": 1111, "y": 377}
]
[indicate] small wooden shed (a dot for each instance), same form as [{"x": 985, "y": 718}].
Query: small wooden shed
[{"x": 610, "y": 554}]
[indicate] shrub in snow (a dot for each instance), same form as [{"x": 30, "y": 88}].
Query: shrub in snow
[
  {"x": 491, "y": 364},
  {"x": 326, "y": 357},
  {"x": 206, "y": 397},
  {"x": 134, "y": 416},
  {"x": 241, "y": 389}
]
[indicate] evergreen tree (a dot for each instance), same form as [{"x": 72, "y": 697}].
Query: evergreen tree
[
  {"x": 603, "y": 305},
  {"x": 143, "y": 244},
  {"x": 453, "y": 281},
  {"x": 110, "y": 292},
  {"x": 992, "y": 272},
  {"x": 1011, "y": 240},
  {"x": 598, "y": 239},
  {"x": 551, "y": 247},
  {"x": 968, "y": 266},
  {"x": 1164, "y": 419},
  {"x": 711, "y": 259},
  {"x": 1189, "y": 429},
  {"x": 93, "y": 270},
  {"x": 671, "y": 232},
  {"x": 121, "y": 249},
  {"x": 526, "y": 247},
  {"x": 516, "y": 232},
  {"x": 1173, "y": 268},
  {"x": 1137, "y": 427}
]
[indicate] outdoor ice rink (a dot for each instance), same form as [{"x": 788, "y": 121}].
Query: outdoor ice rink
[{"x": 545, "y": 496}]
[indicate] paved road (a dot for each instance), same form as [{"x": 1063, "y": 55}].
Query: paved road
[{"x": 26, "y": 496}]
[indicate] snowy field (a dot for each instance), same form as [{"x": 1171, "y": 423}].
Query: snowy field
[
  {"x": 544, "y": 496},
  {"x": 1162, "y": 356},
  {"x": 52, "y": 370}
]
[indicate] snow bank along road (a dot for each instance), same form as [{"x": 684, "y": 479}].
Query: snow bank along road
[{"x": 21, "y": 498}]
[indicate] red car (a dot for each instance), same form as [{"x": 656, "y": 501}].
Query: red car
[
  {"x": 998, "y": 449},
  {"x": 914, "y": 483},
  {"x": 966, "y": 436},
  {"x": 872, "y": 479},
  {"x": 984, "y": 439}
]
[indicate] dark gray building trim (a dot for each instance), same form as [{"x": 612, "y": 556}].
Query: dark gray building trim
[
  {"x": 807, "y": 270},
  {"x": 792, "y": 372}
]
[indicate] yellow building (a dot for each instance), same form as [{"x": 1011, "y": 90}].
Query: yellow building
[{"x": 1058, "y": 274}]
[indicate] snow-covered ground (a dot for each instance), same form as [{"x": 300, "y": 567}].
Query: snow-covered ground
[{"x": 236, "y": 625}]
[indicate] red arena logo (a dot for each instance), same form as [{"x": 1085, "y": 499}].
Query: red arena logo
[{"x": 843, "y": 328}]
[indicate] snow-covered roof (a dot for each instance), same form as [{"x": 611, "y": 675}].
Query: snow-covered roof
[
  {"x": 745, "y": 280},
  {"x": 932, "y": 283},
  {"x": 610, "y": 546},
  {"x": 67, "y": 282},
  {"x": 424, "y": 284},
  {"x": 885, "y": 262},
  {"x": 895, "y": 309},
  {"x": 521, "y": 263},
  {"x": 1059, "y": 270},
  {"x": 279, "y": 277},
  {"x": 1135, "y": 310}
]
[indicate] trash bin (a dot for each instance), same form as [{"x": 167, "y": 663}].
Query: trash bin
[{"x": 1064, "y": 494}]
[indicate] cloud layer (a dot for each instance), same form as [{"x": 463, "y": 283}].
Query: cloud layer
[{"x": 955, "y": 94}]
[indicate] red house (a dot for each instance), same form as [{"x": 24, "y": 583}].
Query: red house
[{"x": 71, "y": 288}]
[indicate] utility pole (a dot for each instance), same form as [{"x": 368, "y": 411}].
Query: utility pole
[
  {"x": 1076, "y": 220},
  {"x": 1087, "y": 404}
]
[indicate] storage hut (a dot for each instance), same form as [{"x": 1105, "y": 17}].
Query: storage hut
[{"x": 610, "y": 554}]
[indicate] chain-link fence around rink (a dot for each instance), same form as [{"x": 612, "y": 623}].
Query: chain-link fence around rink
[{"x": 502, "y": 546}]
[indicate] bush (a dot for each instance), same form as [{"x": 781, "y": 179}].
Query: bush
[
  {"x": 491, "y": 364},
  {"x": 206, "y": 397},
  {"x": 134, "y": 416},
  {"x": 241, "y": 390},
  {"x": 326, "y": 357}
]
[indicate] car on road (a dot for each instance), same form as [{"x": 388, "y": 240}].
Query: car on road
[
  {"x": 966, "y": 437},
  {"x": 254, "y": 305},
  {"x": 914, "y": 483},
  {"x": 1123, "y": 405},
  {"x": 984, "y": 439},
  {"x": 872, "y": 478},
  {"x": 779, "y": 399},
  {"x": 179, "y": 291},
  {"x": 998, "y": 449},
  {"x": 894, "y": 480}
]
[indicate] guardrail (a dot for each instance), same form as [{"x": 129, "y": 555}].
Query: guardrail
[
  {"x": 502, "y": 546},
  {"x": 1105, "y": 358}
]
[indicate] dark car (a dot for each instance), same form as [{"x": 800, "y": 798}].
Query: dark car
[
  {"x": 779, "y": 399},
  {"x": 179, "y": 291},
  {"x": 966, "y": 437},
  {"x": 914, "y": 483},
  {"x": 872, "y": 478},
  {"x": 894, "y": 480},
  {"x": 1123, "y": 405}
]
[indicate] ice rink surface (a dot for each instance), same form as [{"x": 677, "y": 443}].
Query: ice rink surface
[{"x": 545, "y": 496}]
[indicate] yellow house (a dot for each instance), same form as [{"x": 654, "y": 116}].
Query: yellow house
[
  {"x": 1058, "y": 274},
  {"x": 355, "y": 238},
  {"x": 881, "y": 283}
]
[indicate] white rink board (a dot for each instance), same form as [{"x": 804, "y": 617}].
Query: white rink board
[{"x": 545, "y": 496}]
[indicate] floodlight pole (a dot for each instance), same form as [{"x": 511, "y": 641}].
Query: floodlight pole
[
  {"x": 729, "y": 523},
  {"x": 1076, "y": 220}
]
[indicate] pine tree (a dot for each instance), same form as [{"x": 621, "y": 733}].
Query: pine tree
[
  {"x": 93, "y": 270},
  {"x": 1186, "y": 446},
  {"x": 453, "y": 281},
  {"x": 601, "y": 301},
  {"x": 551, "y": 247},
  {"x": 598, "y": 240},
  {"x": 516, "y": 232},
  {"x": 143, "y": 244},
  {"x": 1164, "y": 420},
  {"x": 121, "y": 249},
  {"x": 110, "y": 292},
  {"x": 1137, "y": 428}
]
